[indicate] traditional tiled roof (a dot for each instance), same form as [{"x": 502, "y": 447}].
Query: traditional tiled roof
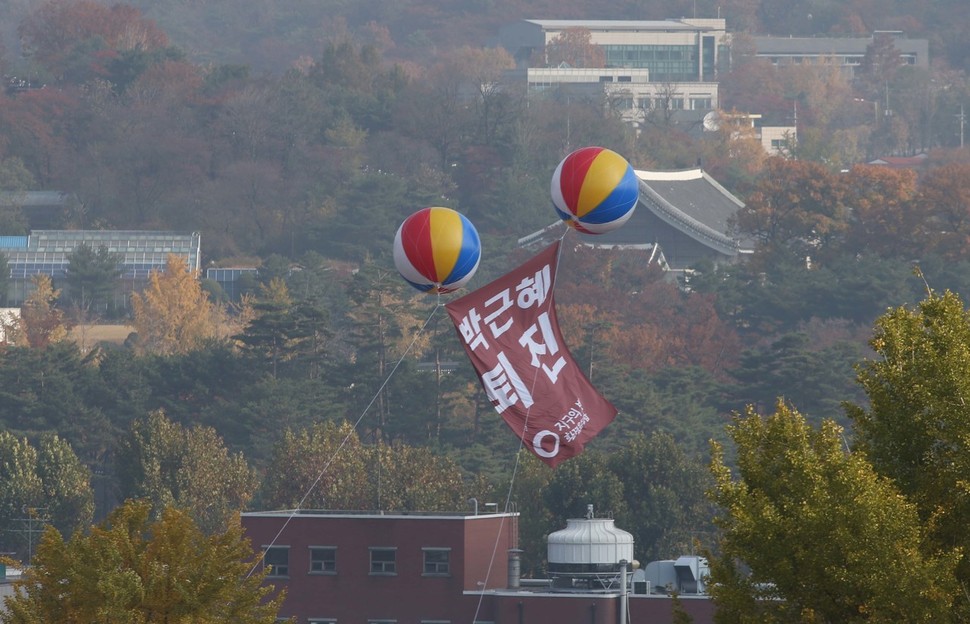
[
  {"x": 689, "y": 201},
  {"x": 901, "y": 162}
]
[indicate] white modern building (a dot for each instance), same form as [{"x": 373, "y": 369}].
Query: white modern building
[
  {"x": 626, "y": 92},
  {"x": 674, "y": 51},
  {"x": 649, "y": 65}
]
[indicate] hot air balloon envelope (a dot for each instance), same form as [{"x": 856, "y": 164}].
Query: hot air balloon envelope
[
  {"x": 437, "y": 250},
  {"x": 594, "y": 190}
]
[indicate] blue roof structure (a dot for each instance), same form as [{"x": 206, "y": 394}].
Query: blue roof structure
[{"x": 48, "y": 252}]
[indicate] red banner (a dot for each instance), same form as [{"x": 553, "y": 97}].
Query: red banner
[{"x": 512, "y": 337}]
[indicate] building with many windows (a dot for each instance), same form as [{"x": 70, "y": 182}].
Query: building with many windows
[
  {"x": 669, "y": 64},
  {"x": 684, "y": 50},
  {"x": 233, "y": 280},
  {"x": 846, "y": 52},
  {"x": 626, "y": 92},
  {"x": 49, "y": 251},
  {"x": 383, "y": 567},
  {"x": 674, "y": 65}
]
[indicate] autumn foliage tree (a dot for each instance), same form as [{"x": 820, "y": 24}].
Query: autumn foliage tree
[
  {"x": 639, "y": 320},
  {"x": 34, "y": 128},
  {"x": 915, "y": 427},
  {"x": 41, "y": 321},
  {"x": 880, "y": 64},
  {"x": 884, "y": 217},
  {"x": 574, "y": 47},
  {"x": 812, "y": 533},
  {"x": 416, "y": 478},
  {"x": 174, "y": 314},
  {"x": 944, "y": 198},
  {"x": 794, "y": 205},
  {"x": 482, "y": 69},
  {"x": 320, "y": 467},
  {"x": 63, "y": 34},
  {"x": 135, "y": 569}
]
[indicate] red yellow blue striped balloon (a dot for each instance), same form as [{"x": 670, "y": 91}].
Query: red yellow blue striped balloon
[
  {"x": 437, "y": 250},
  {"x": 594, "y": 190}
]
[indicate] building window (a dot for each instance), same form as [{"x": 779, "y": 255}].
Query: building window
[
  {"x": 277, "y": 558},
  {"x": 383, "y": 561},
  {"x": 700, "y": 103},
  {"x": 323, "y": 560},
  {"x": 623, "y": 103},
  {"x": 436, "y": 561}
]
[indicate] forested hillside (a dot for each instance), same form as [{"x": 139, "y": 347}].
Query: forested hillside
[
  {"x": 296, "y": 137},
  {"x": 273, "y": 36}
]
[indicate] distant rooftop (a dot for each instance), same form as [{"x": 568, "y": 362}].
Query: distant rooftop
[
  {"x": 340, "y": 513},
  {"x": 28, "y": 199},
  {"x": 621, "y": 25}
]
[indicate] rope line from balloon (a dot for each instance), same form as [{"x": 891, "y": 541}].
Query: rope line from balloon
[{"x": 343, "y": 442}]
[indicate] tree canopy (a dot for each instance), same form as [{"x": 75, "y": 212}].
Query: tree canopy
[
  {"x": 327, "y": 467},
  {"x": 41, "y": 484},
  {"x": 42, "y": 322},
  {"x": 811, "y": 533},
  {"x": 915, "y": 428},
  {"x": 136, "y": 570},
  {"x": 651, "y": 485},
  {"x": 190, "y": 468},
  {"x": 174, "y": 314},
  {"x": 92, "y": 276}
]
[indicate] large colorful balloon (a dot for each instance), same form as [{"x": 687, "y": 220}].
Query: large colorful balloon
[
  {"x": 594, "y": 190},
  {"x": 437, "y": 250}
]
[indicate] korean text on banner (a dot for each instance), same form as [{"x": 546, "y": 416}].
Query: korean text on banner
[{"x": 512, "y": 337}]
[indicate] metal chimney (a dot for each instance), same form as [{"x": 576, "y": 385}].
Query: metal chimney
[{"x": 515, "y": 568}]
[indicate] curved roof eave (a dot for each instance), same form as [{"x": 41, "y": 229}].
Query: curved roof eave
[
  {"x": 674, "y": 217},
  {"x": 716, "y": 203}
]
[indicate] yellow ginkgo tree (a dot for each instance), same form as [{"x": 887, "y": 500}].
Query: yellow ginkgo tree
[
  {"x": 174, "y": 314},
  {"x": 135, "y": 570},
  {"x": 41, "y": 321},
  {"x": 811, "y": 533}
]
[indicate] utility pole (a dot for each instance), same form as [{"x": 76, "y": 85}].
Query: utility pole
[{"x": 33, "y": 523}]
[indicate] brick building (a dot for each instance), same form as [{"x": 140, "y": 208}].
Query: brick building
[{"x": 417, "y": 568}]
